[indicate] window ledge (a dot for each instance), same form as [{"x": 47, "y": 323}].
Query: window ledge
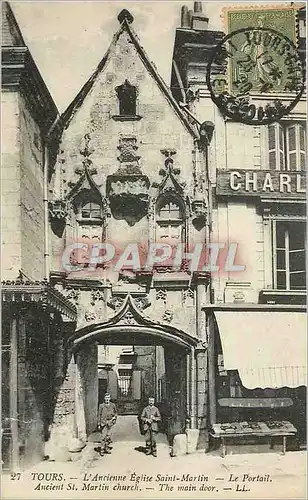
[
  {"x": 126, "y": 118},
  {"x": 274, "y": 296},
  {"x": 90, "y": 222}
]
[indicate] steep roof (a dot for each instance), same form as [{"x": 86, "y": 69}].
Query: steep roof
[
  {"x": 19, "y": 71},
  {"x": 125, "y": 19},
  {"x": 11, "y": 34}
]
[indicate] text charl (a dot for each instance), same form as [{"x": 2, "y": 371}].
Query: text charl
[{"x": 264, "y": 182}]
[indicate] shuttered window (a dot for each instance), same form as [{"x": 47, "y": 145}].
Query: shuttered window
[{"x": 287, "y": 147}]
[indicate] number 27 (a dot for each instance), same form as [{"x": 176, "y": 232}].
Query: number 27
[{"x": 15, "y": 475}]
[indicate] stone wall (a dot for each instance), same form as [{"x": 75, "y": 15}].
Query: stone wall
[
  {"x": 31, "y": 194},
  {"x": 34, "y": 393},
  {"x": 22, "y": 191},
  {"x": 10, "y": 187}
]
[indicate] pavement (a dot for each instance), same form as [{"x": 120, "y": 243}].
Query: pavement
[{"x": 129, "y": 473}]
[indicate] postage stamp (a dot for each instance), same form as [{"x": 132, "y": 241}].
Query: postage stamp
[{"x": 258, "y": 60}]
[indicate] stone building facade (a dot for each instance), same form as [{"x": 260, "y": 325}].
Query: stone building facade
[
  {"x": 129, "y": 165},
  {"x": 256, "y": 319}
]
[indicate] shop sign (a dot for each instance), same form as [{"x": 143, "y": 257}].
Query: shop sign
[{"x": 261, "y": 183}]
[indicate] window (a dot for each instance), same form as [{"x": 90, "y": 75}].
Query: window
[
  {"x": 127, "y": 95},
  {"x": 91, "y": 210},
  {"x": 124, "y": 381},
  {"x": 287, "y": 146},
  {"x": 169, "y": 221},
  {"x": 289, "y": 255}
]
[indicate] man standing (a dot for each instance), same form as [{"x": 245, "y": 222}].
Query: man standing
[
  {"x": 107, "y": 417},
  {"x": 150, "y": 416}
]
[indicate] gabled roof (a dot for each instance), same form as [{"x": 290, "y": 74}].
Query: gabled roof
[
  {"x": 11, "y": 34},
  {"x": 125, "y": 19}
]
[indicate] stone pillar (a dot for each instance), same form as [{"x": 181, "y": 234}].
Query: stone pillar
[
  {"x": 63, "y": 428},
  {"x": 193, "y": 390},
  {"x": 202, "y": 394},
  {"x": 211, "y": 369},
  {"x": 86, "y": 391}
]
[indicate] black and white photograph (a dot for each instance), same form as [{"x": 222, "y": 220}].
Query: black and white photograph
[{"x": 153, "y": 264}]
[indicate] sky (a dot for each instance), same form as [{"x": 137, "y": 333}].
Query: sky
[{"x": 67, "y": 39}]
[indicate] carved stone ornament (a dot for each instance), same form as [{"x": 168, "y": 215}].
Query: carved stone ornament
[
  {"x": 167, "y": 316},
  {"x": 97, "y": 295},
  {"x": 199, "y": 211},
  {"x": 142, "y": 303},
  {"x": 188, "y": 295},
  {"x": 57, "y": 210},
  {"x": 90, "y": 316},
  {"x": 73, "y": 295},
  {"x": 202, "y": 346},
  {"x": 86, "y": 152},
  {"x": 128, "y": 319},
  {"x": 128, "y": 196},
  {"x": 161, "y": 295},
  {"x": 128, "y": 188},
  {"x": 115, "y": 302}
]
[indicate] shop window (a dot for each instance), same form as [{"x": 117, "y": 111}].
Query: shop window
[
  {"x": 286, "y": 147},
  {"x": 169, "y": 221},
  {"x": 289, "y": 255},
  {"x": 127, "y": 96}
]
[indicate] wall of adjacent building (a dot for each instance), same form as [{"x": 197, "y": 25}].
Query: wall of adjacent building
[
  {"x": 22, "y": 191},
  {"x": 31, "y": 194},
  {"x": 10, "y": 182}
]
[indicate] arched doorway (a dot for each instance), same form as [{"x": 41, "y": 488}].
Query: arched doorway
[{"x": 129, "y": 328}]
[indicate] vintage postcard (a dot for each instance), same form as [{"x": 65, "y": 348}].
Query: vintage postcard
[{"x": 153, "y": 213}]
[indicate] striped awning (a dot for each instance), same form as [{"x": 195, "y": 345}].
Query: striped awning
[{"x": 267, "y": 348}]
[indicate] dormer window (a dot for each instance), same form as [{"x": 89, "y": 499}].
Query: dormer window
[
  {"x": 170, "y": 211},
  {"x": 169, "y": 220},
  {"x": 127, "y": 97},
  {"x": 90, "y": 211}
]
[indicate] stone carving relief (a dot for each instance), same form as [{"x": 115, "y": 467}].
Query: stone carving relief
[
  {"x": 90, "y": 316},
  {"x": 127, "y": 189},
  {"x": 142, "y": 303},
  {"x": 73, "y": 295},
  {"x": 97, "y": 296},
  {"x": 115, "y": 302},
  {"x": 57, "y": 210},
  {"x": 188, "y": 297},
  {"x": 161, "y": 294},
  {"x": 128, "y": 319},
  {"x": 167, "y": 316},
  {"x": 86, "y": 152}
]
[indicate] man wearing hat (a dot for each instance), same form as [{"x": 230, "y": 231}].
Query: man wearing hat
[{"x": 107, "y": 417}]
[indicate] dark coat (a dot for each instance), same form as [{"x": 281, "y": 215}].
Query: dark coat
[{"x": 150, "y": 413}]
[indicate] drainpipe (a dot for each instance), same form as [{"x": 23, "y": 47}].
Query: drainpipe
[{"x": 46, "y": 218}]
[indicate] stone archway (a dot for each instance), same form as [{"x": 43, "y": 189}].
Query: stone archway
[{"x": 76, "y": 409}]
